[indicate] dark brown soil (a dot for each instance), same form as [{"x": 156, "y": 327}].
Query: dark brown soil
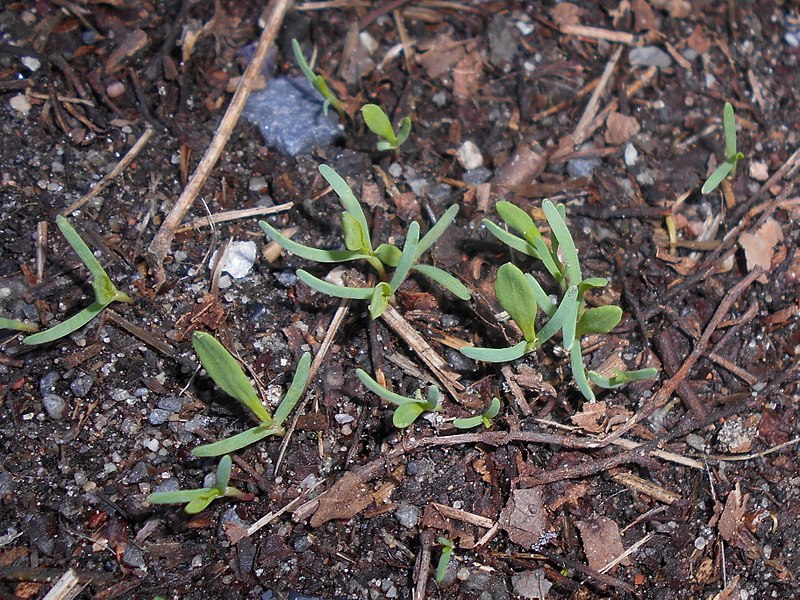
[{"x": 91, "y": 424}]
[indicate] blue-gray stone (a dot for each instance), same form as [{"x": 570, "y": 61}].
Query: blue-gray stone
[
  {"x": 158, "y": 416},
  {"x": 54, "y": 405},
  {"x": 289, "y": 114}
]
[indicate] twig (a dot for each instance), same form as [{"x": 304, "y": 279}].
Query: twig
[
  {"x": 160, "y": 246},
  {"x": 422, "y": 566},
  {"x": 119, "y": 168},
  {"x": 620, "y": 37},
  {"x": 65, "y": 588}
]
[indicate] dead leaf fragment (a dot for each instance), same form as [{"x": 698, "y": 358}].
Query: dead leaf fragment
[
  {"x": 644, "y": 17},
  {"x": 602, "y": 542},
  {"x": 524, "y": 518},
  {"x": 467, "y": 77},
  {"x": 620, "y": 128},
  {"x": 731, "y": 525},
  {"x": 131, "y": 44},
  {"x": 759, "y": 246},
  {"x": 698, "y": 41},
  {"x": 678, "y": 9},
  {"x": 346, "y": 498},
  {"x": 441, "y": 57},
  {"x": 566, "y": 13},
  {"x": 531, "y": 584},
  {"x": 592, "y": 417}
]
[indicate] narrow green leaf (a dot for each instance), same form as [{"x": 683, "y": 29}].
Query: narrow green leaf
[
  {"x": 565, "y": 242},
  {"x": 347, "y": 198},
  {"x": 444, "y": 279},
  {"x": 377, "y": 389},
  {"x": 407, "y": 258},
  {"x": 81, "y": 249},
  {"x": 15, "y": 325},
  {"x": 566, "y": 310},
  {"x": 353, "y": 235},
  {"x": 315, "y": 254},
  {"x": 176, "y": 497},
  {"x": 201, "y": 502},
  {"x": 543, "y": 299},
  {"x": 467, "y": 422},
  {"x": 571, "y": 316},
  {"x": 435, "y": 232},
  {"x": 337, "y": 291},
  {"x": 380, "y": 300},
  {"x": 238, "y": 441},
  {"x": 296, "y": 389},
  {"x": 518, "y": 219},
  {"x": 713, "y": 181},
  {"x": 379, "y": 123},
  {"x": 223, "y": 475},
  {"x": 496, "y": 355},
  {"x": 599, "y": 320},
  {"x": 389, "y": 254},
  {"x": 620, "y": 378},
  {"x": 64, "y": 328},
  {"x": 509, "y": 239},
  {"x": 301, "y": 62},
  {"x": 226, "y": 372},
  {"x": 433, "y": 398},
  {"x": 444, "y": 559},
  {"x": 493, "y": 410},
  {"x": 517, "y": 298},
  {"x": 579, "y": 371},
  {"x": 729, "y": 129},
  {"x": 406, "y": 414},
  {"x": 405, "y": 129}
]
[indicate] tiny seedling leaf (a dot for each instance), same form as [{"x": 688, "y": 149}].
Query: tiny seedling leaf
[
  {"x": 376, "y": 388},
  {"x": 509, "y": 239},
  {"x": 713, "y": 181},
  {"x": 315, "y": 254},
  {"x": 496, "y": 355},
  {"x": 601, "y": 319},
  {"x": 543, "y": 300},
  {"x": 379, "y": 124},
  {"x": 15, "y": 325},
  {"x": 296, "y": 389},
  {"x": 380, "y": 300},
  {"x": 223, "y": 475},
  {"x": 405, "y": 129},
  {"x": 406, "y": 414},
  {"x": 621, "y": 377},
  {"x": 176, "y": 497},
  {"x": 407, "y": 258},
  {"x": 226, "y": 372},
  {"x": 493, "y": 410},
  {"x": 579, "y": 371},
  {"x": 202, "y": 501},
  {"x": 353, "y": 236},
  {"x": 389, "y": 254},
  {"x": 64, "y": 328},
  {"x": 444, "y": 558},
  {"x": 331, "y": 289},
  {"x": 468, "y": 422},
  {"x": 444, "y": 279},
  {"x": 238, "y": 441},
  {"x": 565, "y": 241},
  {"x": 729, "y": 129},
  {"x": 517, "y": 298},
  {"x": 518, "y": 219},
  {"x": 567, "y": 310},
  {"x": 347, "y": 198}
]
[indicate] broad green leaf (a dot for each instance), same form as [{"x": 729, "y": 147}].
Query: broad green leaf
[
  {"x": 518, "y": 219},
  {"x": 296, "y": 389},
  {"x": 405, "y": 129},
  {"x": 376, "y": 388},
  {"x": 496, "y": 355},
  {"x": 384, "y": 146},
  {"x": 579, "y": 371},
  {"x": 380, "y": 300},
  {"x": 517, "y": 298},
  {"x": 407, "y": 258},
  {"x": 568, "y": 309},
  {"x": 565, "y": 242},
  {"x": 621, "y": 377},
  {"x": 379, "y": 123},
  {"x": 201, "y": 502},
  {"x": 15, "y": 325},
  {"x": 493, "y": 410},
  {"x": 543, "y": 300},
  {"x": 347, "y": 198},
  {"x": 406, "y": 414},
  {"x": 176, "y": 497},
  {"x": 238, "y": 441},
  {"x": 599, "y": 320},
  {"x": 713, "y": 181},
  {"x": 389, "y": 254},
  {"x": 64, "y": 328},
  {"x": 433, "y": 398},
  {"x": 226, "y": 372},
  {"x": 468, "y": 422},
  {"x": 223, "y": 473},
  {"x": 315, "y": 254},
  {"x": 435, "y": 232},
  {"x": 444, "y": 279},
  {"x": 729, "y": 129},
  {"x": 353, "y": 235},
  {"x": 337, "y": 291},
  {"x": 589, "y": 283}
]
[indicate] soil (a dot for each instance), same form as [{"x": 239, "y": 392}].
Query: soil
[{"x": 623, "y": 131}]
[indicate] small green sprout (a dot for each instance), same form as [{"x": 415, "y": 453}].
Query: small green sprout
[
  {"x": 228, "y": 375},
  {"x": 408, "y": 409},
  {"x": 485, "y": 419},
  {"x": 104, "y": 291},
  {"x": 198, "y": 499},
  {"x": 731, "y": 155},
  {"x": 15, "y": 325},
  {"x": 444, "y": 558},
  {"x": 620, "y": 378},
  {"x": 380, "y": 125},
  {"x": 359, "y": 247},
  {"x": 521, "y": 294},
  {"x": 318, "y": 81}
]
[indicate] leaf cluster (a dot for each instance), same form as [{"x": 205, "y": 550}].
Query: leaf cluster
[
  {"x": 484, "y": 419},
  {"x": 380, "y": 125},
  {"x": 731, "y": 155},
  {"x": 358, "y": 246},
  {"x": 408, "y": 409}
]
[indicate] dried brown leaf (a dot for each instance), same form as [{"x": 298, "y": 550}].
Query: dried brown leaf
[
  {"x": 441, "y": 57},
  {"x": 592, "y": 417},
  {"x": 759, "y": 246},
  {"x": 602, "y": 542},
  {"x": 525, "y": 518},
  {"x": 346, "y": 498},
  {"x": 566, "y": 13},
  {"x": 620, "y": 128},
  {"x": 644, "y": 17}
]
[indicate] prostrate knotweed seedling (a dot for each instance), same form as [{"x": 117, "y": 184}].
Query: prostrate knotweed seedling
[
  {"x": 15, "y": 325},
  {"x": 104, "y": 291},
  {"x": 485, "y": 419},
  {"x": 380, "y": 125},
  {"x": 200, "y": 498},
  {"x": 318, "y": 81},
  {"x": 228, "y": 375},
  {"x": 731, "y": 155},
  {"x": 520, "y": 294},
  {"x": 444, "y": 558},
  {"x": 408, "y": 409},
  {"x": 359, "y": 246}
]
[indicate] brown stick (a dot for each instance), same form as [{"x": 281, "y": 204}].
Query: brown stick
[{"x": 160, "y": 246}]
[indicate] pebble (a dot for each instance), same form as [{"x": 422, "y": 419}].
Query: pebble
[
  {"x": 171, "y": 404},
  {"x": 301, "y": 543},
  {"x": 115, "y": 89},
  {"x": 440, "y": 99},
  {"x": 137, "y": 474},
  {"x": 759, "y": 171},
  {"x": 239, "y": 259},
  {"x": 287, "y": 278},
  {"x": 649, "y": 56},
  {"x": 258, "y": 184},
  {"x": 578, "y": 168},
  {"x": 34, "y": 64},
  {"x": 407, "y": 514},
  {"x": 502, "y": 45},
  {"x": 20, "y": 104},
  {"x": 48, "y": 382},
  {"x": 469, "y": 156},
  {"x": 81, "y": 385},
  {"x": 133, "y": 557},
  {"x": 6, "y": 483},
  {"x": 459, "y": 362},
  {"x": 631, "y": 155},
  {"x": 54, "y": 405},
  {"x": 342, "y": 418},
  {"x": 395, "y": 170},
  {"x": 476, "y": 176},
  {"x": 158, "y": 416},
  {"x": 196, "y": 423}
]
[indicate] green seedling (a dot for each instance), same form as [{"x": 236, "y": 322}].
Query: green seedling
[
  {"x": 104, "y": 291},
  {"x": 318, "y": 81},
  {"x": 485, "y": 419},
  {"x": 380, "y": 125},
  {"x": 620, "y": 378},
  {"x": 731, "y": 155},
  {"x": 444, "y": 558},
  {"x": 15, "y": 325},
  {"x": 198, "y": 499},
  {"x": 521, "y": 295},
  {"x": 408, "y": 409},
  {"x": 226, "y": 372},
  {"x": 358, "y": 246}
]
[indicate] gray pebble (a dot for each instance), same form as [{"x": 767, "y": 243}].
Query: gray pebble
[
  {"x": 287, "y": 278},
  {"x": 301, "y": 543},
  {"x": 476, "y": 176},
  {"x": 172, "y": 404},
  {"x": 158, "y": 416},
  {"x": 133, "y": 557},
  {"x": 48, "y": 382},
  {"x": 6, "y": 483},
  {"x": 54, "y": 405},
  {"x": 407, "y": 515},
  {"x": 196, "y": 423},
  {"x": 137, "y": 474},
  {"x": 649, "y": 56},
  {"x": 578, "y": 168},
  {"x": 81, "y": 385},
  {"x": 459, "y": 362}
]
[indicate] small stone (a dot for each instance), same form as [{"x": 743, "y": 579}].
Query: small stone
[
  {"x": 133, "y": 557},
  {"x": 81, "y": 385},
  {"x": 6, "y": 483},
  {"x": 137, "y": 474},
  {"x": 631, "y": 155},
  {"x": 54, "y": 405},
  {"x": 459, "y": 362},
  {"x": 20, "y": 104},
  {"x": 407, "y": 515},
  {"x": 342, "y": 418},
  {"x": 502, "y": 45},
  {"x": 301, "y": 543},
  {"x": 171, "y": 404},
  {"x": 258, "y": 184},
  {"x": 759, "y": 171},
  {"x": 115, "y": 89},
  {"x": 649, "y": 56},
  {"x": 239, "y": 259},
  {"x": 578, "y": 168},
  {"x": 196, "y": 423},
  {"x": 476, "y": 176},
  {"x": 158, "y": 416},
  {"x": 440, "y": 99},
  {"x": 469, "y": 156},
  {"x": 287, "y": 278},
  {"x": 48, "y": 382},
  {"x": 395, "y": 170},
  {"x": 34, "y": 64}
]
